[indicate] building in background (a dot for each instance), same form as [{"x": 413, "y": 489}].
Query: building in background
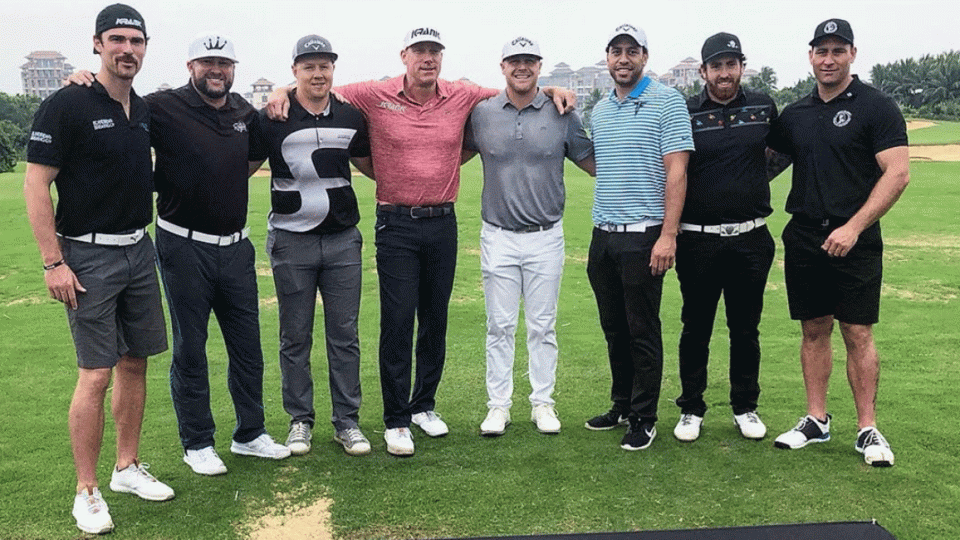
[
  {"x": 44, "y": 72},
  {"x": 261, "y": 93}
]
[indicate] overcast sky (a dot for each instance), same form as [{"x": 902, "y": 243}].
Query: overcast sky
[{"x": 367, "y": 34}]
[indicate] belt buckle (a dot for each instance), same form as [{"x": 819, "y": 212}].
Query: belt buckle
[
  {"x": 730, "y": 229},
  {"x": 413, "y": 212}
]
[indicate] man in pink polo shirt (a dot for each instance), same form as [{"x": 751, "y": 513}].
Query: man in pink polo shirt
[{"x": 416, "y": 123}]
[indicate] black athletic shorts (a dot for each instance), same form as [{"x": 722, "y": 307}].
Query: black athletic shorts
[{"x": 817, "y": 284}]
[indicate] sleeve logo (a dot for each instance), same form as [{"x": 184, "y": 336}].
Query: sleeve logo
[{"x": 41, "y": 137}]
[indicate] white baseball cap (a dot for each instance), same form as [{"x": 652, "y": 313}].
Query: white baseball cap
[
  {"x": 636, "y": 33},
  {"x": 211, "y": 45},
  {"x": 521, "y": 45},
  {"x": 422, "y": 34}
]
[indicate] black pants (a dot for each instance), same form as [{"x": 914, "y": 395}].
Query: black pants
[
  {"x": 628, "y": 298},
  {"x": 198, "y": 278},
  {"x": 709, "y": 265},
  {"x": 416, "y": 261}
]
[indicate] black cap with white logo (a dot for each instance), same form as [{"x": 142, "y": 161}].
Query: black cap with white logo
[
  {"x": 118, "y": 16},
  {"x": 722, "y": 43},
  {"x": 313, "y": 44},
  {"x": 832, "y": 28}
]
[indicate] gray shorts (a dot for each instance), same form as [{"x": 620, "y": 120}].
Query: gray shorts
[{"x": 120, "y": 314}]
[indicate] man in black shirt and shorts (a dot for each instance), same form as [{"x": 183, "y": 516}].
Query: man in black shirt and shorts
[
  {"x": 724, "y": 246},
  {"x": 848, "y": 143},
  {"x": 94, "y": 143}
]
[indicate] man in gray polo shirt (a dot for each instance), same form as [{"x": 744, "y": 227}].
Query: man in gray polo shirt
[{"x": 522, "y": 143}]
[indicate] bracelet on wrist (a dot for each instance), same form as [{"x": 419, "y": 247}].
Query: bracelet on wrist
[{"x": 51, "y": 266}]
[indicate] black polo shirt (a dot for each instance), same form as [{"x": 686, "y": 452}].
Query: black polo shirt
[
  {"x": 105, "y": 183},
  {"x": 834, "y": 147},
  {"x": 202, "y": 159},
  {"x": 310, "y": 155},
  {"x": 727, "y": 175}
]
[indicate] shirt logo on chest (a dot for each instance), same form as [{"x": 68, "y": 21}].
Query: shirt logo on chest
[
  {"x": 842, "y": 118},
  {"x": 105, "y": 123},
  {"x": 239, "y": 127},
  {"x": 392, "y": 106}
]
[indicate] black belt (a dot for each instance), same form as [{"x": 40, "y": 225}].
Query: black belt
[
  {"x": 819, "y": 223},
  {"x": 529, "y": 228},
  {"x": 417, "y": 212}
]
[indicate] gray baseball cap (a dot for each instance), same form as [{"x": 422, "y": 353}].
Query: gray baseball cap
[{"x": 313, "y": 44}]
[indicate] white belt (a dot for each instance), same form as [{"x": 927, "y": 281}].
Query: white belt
[
  {"x": 727, "y": 229},
  {"x": 203, "y": 237},
  {"x": 100, "y": 239},
  {"x": 640, "y": 226}
]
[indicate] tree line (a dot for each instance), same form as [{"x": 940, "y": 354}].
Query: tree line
[{"x": 16, "y": 117}]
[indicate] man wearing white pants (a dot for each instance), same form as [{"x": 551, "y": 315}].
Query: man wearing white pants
[{"x": 523, "y": 144}]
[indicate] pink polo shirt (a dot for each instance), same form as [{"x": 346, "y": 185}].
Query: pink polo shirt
[{"x": 416, "y": 147}]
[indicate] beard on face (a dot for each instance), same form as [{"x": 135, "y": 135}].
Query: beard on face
[
  {"x": 724, "y": 93},
  {"x": 202, "y": 87}
]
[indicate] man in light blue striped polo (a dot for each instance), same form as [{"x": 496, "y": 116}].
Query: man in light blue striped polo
[{"x": 642, "y": 139}]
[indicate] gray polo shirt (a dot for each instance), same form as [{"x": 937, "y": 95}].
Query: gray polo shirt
[{"x": 523, "y": 153}]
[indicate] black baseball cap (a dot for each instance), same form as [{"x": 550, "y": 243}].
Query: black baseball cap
[
  {"x": 313, "y": 44},
  {"x": 119, "y": 16},
  {"x": 722, "y": 43},
  {"x": 832, "y": 28}
]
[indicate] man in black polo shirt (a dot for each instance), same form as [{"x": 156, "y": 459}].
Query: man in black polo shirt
[
  {"x": 202, "y": 136},
  {"x": 314, "y": 244},
  {"x": 848, "y": 142},
  {"x": 94, "y": 143},
  {"x": 724, "y": 246}
]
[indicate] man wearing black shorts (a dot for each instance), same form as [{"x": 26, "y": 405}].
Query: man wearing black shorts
[
  {"x": 848, "y": 142},
  {"x": 94, "y": 143}
]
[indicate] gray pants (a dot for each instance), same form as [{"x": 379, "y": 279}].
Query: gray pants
[{"x": 304, "y": 263}]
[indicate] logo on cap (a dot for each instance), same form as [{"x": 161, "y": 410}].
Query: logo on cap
[
  {"x": 522, "y": 41},
  {"x": 123, "y": 21},
  {"x": 211, "y": 45},
  {"x": 314, "y": 44},
  {"x": 424, "y": 32},
  {"x": 626, "y": 28},
  {"x": 830, "y": 27},
  {"x": 732, "y": 44},
  {"x": 842, "y": 118}
]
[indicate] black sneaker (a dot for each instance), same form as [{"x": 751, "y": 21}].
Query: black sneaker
[
  {"x": 605, "y": 421},
  {"x": 639, "y": 435}
]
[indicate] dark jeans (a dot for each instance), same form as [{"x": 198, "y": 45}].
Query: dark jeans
[
  {"x": 709, "y": 265},
  {"x": 416, "y": 260},
  {"x": 628, "y": 297},
  {"x": 198, "y": 278}
]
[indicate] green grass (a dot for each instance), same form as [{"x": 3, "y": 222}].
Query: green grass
[
  {"x": 523, "y": 482},
  {"x": 942, "y": 133}
]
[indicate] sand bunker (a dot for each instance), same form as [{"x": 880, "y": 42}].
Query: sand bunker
[
  {"x": 919, "y": 124},
  {"x": 307, "y": 523},
  {"x": 940, "y": 152}
]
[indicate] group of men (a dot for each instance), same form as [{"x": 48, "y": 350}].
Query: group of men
[{"x": 674, "y": 184}]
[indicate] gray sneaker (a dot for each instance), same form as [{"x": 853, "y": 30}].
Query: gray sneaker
[
  {"x": 298, "y": 441},
  {"x": 353, "y": 441}
]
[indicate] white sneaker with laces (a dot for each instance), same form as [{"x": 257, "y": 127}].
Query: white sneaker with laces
[
  {"x": 353, "y": 441},
  {"x": 545, "y": 417},
  {"x": 496, "y": 422},
  {"x": 399, "y": 441},
  {"x": 205, "y": 461},
  {"x": 874, "y": 447},
  {"x": 135, "y": 479},
  {"x": 808, "y": 430},
  {"x": 298, "y": 440},
  {"x": 263, "y": 446},
  {"x": 430, "y": 423},
  {"x": 750, "y": 425},
  {"x": 91, "y": 512},
  {"x": 688, "y": 428}
]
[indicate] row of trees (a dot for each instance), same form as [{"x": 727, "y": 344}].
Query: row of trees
[
  {"x": 927, "y": 87},
  {"x": 16, "y": 116}
]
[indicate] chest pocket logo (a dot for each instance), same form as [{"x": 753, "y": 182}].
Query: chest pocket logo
[
  {"x": 842, "y": 118},
  {"x": 240, "y": 127}
]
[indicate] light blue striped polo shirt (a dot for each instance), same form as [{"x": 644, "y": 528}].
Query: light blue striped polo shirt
[{"x": 630, "y": 139}]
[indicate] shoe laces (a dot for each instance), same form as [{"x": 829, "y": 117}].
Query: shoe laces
[
  {"x": 207, "y": 453},
  {"x": 353, "y": 436},
  {"x": 431, "y": 416},
  {"x": 95, "y": 502},
  {"x": 751, "y": 417},
  {"x": 300, "y": 430},
  {"x": 686, "y": 419},
  {"x": 142, "y": 472},
  {"x": 546, "y": 410},
  {"x": 873, "y": 437}
]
